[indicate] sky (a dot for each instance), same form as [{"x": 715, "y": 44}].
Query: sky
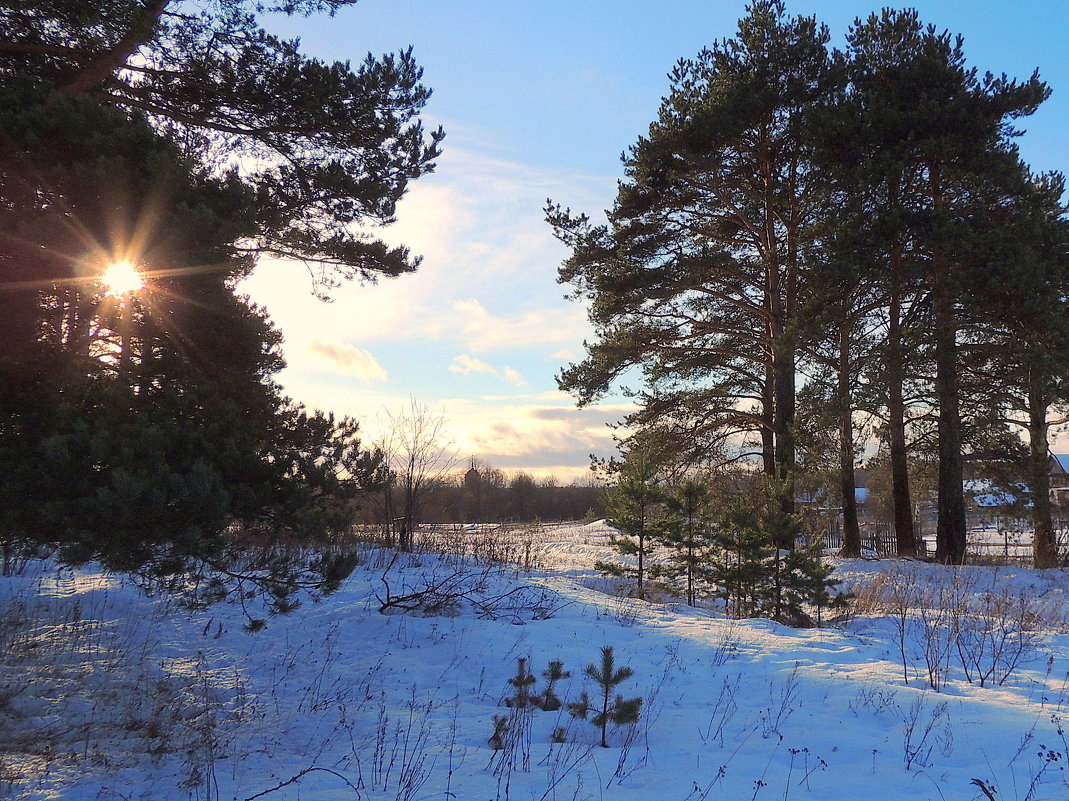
[{"x": 538, "y": 101}]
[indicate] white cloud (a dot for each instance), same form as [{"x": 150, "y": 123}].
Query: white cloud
[
  {"x": 481, "y": 331},
  {"x": 488, "y": 280},
  {"x": 514, "y": 377},
  {"x": 466, "y": 365},
  {"x": 487, "y": 289},
  {"x": 536, "y": 436},
  {"x": 356, "y": 362}
]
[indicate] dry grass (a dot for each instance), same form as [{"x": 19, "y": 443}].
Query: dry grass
[{"x": 78, "y": 689}]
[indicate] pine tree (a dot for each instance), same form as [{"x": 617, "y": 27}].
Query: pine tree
[
  {"x": 759, "y": 579},
  {"x": 633, "y": 507},
  {"x": 701, "y": 274},
  {"x": 685, "y": 530},
  {"x": 501, "y": 730},
  {"x": 148, "y": 432},
  {"x": 548, "y": 700},
  {"x": 327, "y": 149},
  {"x": 1019, "y": 357},
  {"x": 934, "y": 138},
  {"x": 522, "y": 683},
  {"x": 618, "y": 711},
  {"x": 742, "y": 561}
]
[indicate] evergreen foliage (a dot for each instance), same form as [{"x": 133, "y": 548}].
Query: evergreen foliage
[
  {"x": 686, "y": 530},
  {"x": 146, "y": 430},
  {"x": 699, "y": 277},
  {"x": 929, "y": 142},
  {"x": 522, "y": 683},
  {"x": 501, "y": 730},
  {"x": 548, "y": 700},
  {"x": 321, "y": 145},
  {"x": 759, "y": 579},
  {"x": 618, "y": 711},
  {"x": 633, "y": 507},
  {"x": 856, "y": 217},
  {"x": 743, "y": 561}
]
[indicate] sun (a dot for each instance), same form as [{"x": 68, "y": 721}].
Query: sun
[{"x": 122, "y": 278}]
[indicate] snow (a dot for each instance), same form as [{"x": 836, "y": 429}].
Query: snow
[{"x": 133, "y": 697}]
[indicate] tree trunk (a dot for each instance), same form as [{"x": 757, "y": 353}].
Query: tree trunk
[
  {"x": 768, "y": 422},
  {"x": 641, "y": 554},
  {"x": 896, "y": 423},
  {"x": 783, "y": 409},
  {"x": 950, "y": 531},
  {"x": 851, "y": 528},
  {"x": 785, "y": 403},
  {"x": 1044, "y": 547}
]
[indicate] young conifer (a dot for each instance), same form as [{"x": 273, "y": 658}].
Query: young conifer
[
  {"x": 685, "y": 529},
  {"x": 634, "y": 507},
  {"x": 549, "y": 700},
  {"x": 757, "y": 579},
  {"x": 522, "y": 681},
  {"x": 620, "y": 711},
  {"x": 501, "y": 729}
]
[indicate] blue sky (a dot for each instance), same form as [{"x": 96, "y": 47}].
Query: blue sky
[{"x": 538, "y": 100}]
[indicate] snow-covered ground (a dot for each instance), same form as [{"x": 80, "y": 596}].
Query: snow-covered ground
[{"x": 108, "y": 694}]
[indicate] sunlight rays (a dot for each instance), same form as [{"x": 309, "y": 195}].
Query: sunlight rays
[{"x": 122, "y": 278}]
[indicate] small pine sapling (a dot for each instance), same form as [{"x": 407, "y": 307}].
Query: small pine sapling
[
  {"x": 759, "y": 576},
  {"x": 620, "y": 711},
  {"x": 684, "y": 530},
  {"x": 522, "y": 681},
  {"x": 808, "y": 584},
  {"x": 743, "y": 561},
  {"x": 548, "y": 701},
  {"x": 633, "y": 507},
  {"x": 501, "y": 728}
]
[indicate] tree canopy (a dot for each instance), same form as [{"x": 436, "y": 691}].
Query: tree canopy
[
  {"x": 143, "y": 427},
  {"x": 799, "y": 215},
  {"x": 323, "y": 149}
]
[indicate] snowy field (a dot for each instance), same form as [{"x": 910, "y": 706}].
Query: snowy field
[{"x": 108, "y": 694}]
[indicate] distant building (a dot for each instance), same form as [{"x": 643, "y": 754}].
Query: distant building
[{"x": 473, "y": 493}]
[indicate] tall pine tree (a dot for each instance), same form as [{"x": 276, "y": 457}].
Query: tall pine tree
[{"x": 700, "y": 274}]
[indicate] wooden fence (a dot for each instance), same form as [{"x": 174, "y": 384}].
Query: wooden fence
[
  {"x": 988, "y": 540},
  {"x": 877, "y": 538}
]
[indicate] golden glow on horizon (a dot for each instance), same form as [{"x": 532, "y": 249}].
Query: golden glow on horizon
[{"x": 122, "y": 278}]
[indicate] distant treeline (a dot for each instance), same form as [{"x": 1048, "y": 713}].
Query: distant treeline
[{"x": 490, "y": 495}]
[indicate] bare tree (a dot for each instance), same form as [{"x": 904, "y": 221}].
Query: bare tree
[{"x": 419, "y": 458}]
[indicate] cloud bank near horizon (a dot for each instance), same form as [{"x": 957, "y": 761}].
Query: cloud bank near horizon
[{"x": 483, "y": 312}]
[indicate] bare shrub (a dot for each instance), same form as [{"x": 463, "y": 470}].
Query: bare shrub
[
  {"x": 637, "y": 733},
  {"x": 727, "y": 643},
  {"x": 440, "y": 588},
  {"x": 989, "y": 632},
  {"x": 999, "y": 631},
  {"x": 874, "y": 698},
  {"x": 940, "y": 612},
  {"x": 782, "y": 697},
  {"x": 923, "y": 731},
  {"x": 514, "y": 753},
  {"x": 872, "y": 597},
  {"x": 108, "y": 704},
  {"x": 401, "y": 762},
  {"x": 724, "y": 709},
  {"x": 564, "y": 759}
]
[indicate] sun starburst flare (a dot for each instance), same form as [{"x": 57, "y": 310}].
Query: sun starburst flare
[{"x": 122, "y": 278}]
